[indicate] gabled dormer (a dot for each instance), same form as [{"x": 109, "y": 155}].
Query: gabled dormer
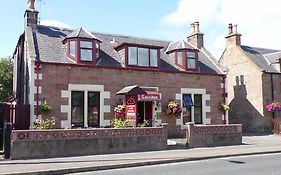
[
  {"x": 184, "y": 54},
  {"x": 139, "y": 55},
  {"x": 82, "y": 46}
]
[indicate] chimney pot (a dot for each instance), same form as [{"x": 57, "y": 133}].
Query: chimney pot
[
  {"x": 230, "y": 28},
  {"x": 196, "y": 24},
  {"x": 31, "y": 4},
  {"x": 235, "y": 28},
  {"x": 192, "y": 28}
]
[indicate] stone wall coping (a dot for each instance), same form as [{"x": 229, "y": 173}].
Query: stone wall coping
[
  {"x": 65, "y": 134},
  {"x": 209, "y": 129}
]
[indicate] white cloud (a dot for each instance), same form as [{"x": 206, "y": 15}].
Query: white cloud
[
  {"x": 258, "y": 21},
  {"x": 54, "y": 23}
]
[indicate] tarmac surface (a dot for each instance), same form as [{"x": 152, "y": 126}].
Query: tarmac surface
[{"x": 251, "y": 145}]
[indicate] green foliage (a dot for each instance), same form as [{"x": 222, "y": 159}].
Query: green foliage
[
  {"x": 6, "y": 78},
  {"x": 145, "y": 123},
  {"x": 45, "y": 106},
  {"x": 119, "y": 123},
  {"x": 223, "y": 107},
  {"x": 44, "y": 124}
]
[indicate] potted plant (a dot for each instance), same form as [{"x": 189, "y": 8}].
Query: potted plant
[
  {"x": 119, "y": 110},
  {"x": 224, "y": 107},
  {"x": 45, "y": 106},
  {"x": 173, "y": 108},
  {"x": 274, "y": 106}
]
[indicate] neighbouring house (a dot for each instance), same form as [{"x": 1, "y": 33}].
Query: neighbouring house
[
  {"x": 253, "y": 82},
  {"x": 84, "y": 75}
]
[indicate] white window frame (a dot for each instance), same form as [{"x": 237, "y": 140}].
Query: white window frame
[
  {"x": 86, "y": 88},
  {"x": 205, "y": 108}
]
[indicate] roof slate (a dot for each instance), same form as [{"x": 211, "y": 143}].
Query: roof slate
[
  {"x": 181, "y": 44},
  {"x": 262, "y": 57},
  {"x": 82, "y": 33},
  {"x": 50, "y": 48}
]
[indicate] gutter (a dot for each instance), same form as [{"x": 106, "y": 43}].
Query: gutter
[
  {"x": 127, "y": 68},
  {"x": 224, "y": 98}
]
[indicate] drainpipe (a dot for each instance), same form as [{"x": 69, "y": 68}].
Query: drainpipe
[
  {"x": 272, "y": 92},
  {"x": 224, "y": 98},
  {"x": 37, "y": 68}
]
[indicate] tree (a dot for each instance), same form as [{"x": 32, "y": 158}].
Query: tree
[{"x": 6, "y": 78}]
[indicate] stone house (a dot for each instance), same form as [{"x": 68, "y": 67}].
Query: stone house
[
  {"x": 253, "y": 82},
  {"x": 79, "y": 73}
]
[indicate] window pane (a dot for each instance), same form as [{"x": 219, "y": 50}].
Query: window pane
[
  {"x": 86, "y": 55},
  {"x": 72, "y": 48},
  {"x": 77, "y": 116},
  {"x": 77, "y": 98},
  {"x": 77, "y": 108},
  {"x": 197, "y": 100},
  {"x": 143, "y": 59},
  {"x": 132, "y": 56},
  {"x": 93, "y": 109},
  {"x": 197, "y": 108},
  {"x": 187, "y": 100},
  {"x": 191, "y": 63},
  {"x": 97, "y": 50},
  {"x": 190, "y": 54},
  {"x": 179, "y": 58},
  {"x": 93, "y": 98},
  {"x": 197, "y": 115},
  {"x": 86, "y": 44},
  {"x": 153, "y": 58}
]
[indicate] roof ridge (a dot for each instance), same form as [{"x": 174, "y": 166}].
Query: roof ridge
[
  {"x": 272, "y": 53},
  {"x": 111, "y": 34},
  {"x": 262, "y": 48}
]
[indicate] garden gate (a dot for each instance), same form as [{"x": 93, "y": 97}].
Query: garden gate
[{"x": 15, "y": 117}]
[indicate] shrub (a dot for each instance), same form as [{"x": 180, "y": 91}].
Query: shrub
[
  {"x": 119, "y": 123},
  {"x": 44, "y": 124}
]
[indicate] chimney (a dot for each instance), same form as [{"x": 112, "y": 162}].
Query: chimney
[
  {"x": 233, "y": 37},
  {"x": 31, "y": 15},
  {"x": 196, "y": 37}
]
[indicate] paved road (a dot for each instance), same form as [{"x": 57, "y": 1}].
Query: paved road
[{"x": 244, "y": 165}]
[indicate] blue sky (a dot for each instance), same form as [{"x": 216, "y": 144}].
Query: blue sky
[{"x": 258, "y": 20}]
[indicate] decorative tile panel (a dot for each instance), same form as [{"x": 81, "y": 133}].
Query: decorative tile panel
[{"x": 32, "y": 135}]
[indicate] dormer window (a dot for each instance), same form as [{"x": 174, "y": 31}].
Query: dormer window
[
  {"x": 82, "y": 47},
  {"x": 186, "y": 55},
  {"x": 139, "y": 55},
  {"x": 187, "y": 59},
  {"x": 143, "y": 57}
]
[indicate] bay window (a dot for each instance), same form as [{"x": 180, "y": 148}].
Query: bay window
[
  {"x": 83, "y": 50},
  {"x": 186, "y": 59}
]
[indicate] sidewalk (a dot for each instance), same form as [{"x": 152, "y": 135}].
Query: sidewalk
[{"x": 251, "y": 145}]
